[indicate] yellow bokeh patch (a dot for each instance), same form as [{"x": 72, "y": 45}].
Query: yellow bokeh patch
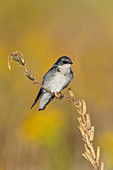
[
  {"x": 43, "y": 126},
  {"x": 107, "y": 146}
]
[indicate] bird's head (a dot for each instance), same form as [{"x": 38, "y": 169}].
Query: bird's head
[{"x": 63, "y": 61}]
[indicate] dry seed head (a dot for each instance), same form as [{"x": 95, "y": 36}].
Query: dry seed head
[
  {"x": 71, "y": 93},
  {"x": 76, "y": 103},
  {"x": 88, "y": 121},
  {"x": 80, "y": 103},
  {"x": 90, "y": 159},
  {"x": 89, "y": 133},
  {"x": 82, "y": 132},
  {"x": 92, "y": 151},
  {"x": 98, "y": 155},
  {"x": 84, "y": 106},
  {"x": 80, "y": 121},
  {"x": 92, "y": 130},
  {"x": 87, "y": 140},
  {"x": 87, "y": 149},
  {"x": 84, "y": 140},
  {"x": 79, "y": 111},
  {"x": 84, "y": 155},
  {"x": 102, "y": 166}
]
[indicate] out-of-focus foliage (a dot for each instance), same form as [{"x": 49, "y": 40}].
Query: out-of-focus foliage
[{"x": 43, "y": 31}]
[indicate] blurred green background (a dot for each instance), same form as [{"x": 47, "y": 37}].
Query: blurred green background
[{"x": 44, "y": 30}]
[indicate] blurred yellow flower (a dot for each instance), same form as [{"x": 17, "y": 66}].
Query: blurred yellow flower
[{"x": 44, "y": 126}]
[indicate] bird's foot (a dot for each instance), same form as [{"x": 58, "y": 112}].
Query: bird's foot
[{"x": 58, "y": 95}]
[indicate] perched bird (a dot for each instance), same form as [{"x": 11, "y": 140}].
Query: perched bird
[{"x": 56, "y": 79}]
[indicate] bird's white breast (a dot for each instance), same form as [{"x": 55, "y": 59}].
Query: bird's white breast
[{"x": 60, "y": 79}]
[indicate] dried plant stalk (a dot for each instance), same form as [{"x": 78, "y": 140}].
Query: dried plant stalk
[
  {"x": 87, "y": 132},
  {"x": 85, "y": 127}
]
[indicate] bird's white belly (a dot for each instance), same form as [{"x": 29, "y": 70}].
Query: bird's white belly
[{"x": 58, "y": 82}]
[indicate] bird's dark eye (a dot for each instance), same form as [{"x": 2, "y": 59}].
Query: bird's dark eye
[
  {"x": 65, "y": 62},
  {"x": 58, "y": 70}
]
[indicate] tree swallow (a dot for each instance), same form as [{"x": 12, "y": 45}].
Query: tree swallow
[{"x": 56, "y": 79}]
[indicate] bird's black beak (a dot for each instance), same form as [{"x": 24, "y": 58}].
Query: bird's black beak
[{"x": 71, "y": 62}]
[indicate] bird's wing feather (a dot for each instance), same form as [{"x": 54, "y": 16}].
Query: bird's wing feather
[
  {"x": 50, "y": 73},
  {"x": 42, "y": 91},
  {"x": 40, "y": 94}
]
